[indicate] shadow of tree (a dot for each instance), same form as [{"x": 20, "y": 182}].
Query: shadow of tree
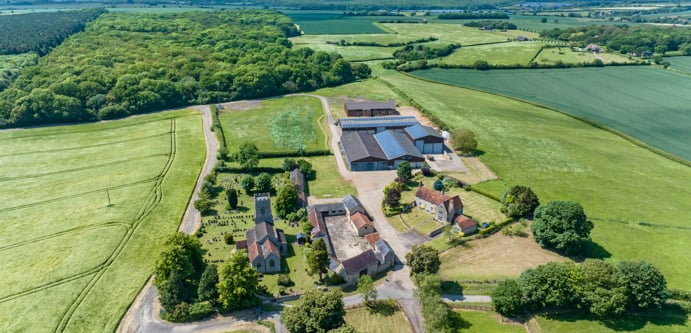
[
  {"x": 385, "y": 308},
  {"x": 594, "y": 250},
  {"x": 456, "y": 321},
  {"x": 668, "y": 315}
]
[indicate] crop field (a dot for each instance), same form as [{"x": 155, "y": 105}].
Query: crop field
[
  {"x": 364, "y": 321},
  {"x": 682, "y": 64},
  {"x": 483, "y": 321},
  {"x": 495, "y": 54},
  {"x": 562, "y": 158},
  {"x": 454, "y": 33},
  {"x": 85, "y": 211},
  {"x": 353, "y": 53},
  {"x": 645, "y": 103},
  {"x": 277, "y": 124},
  {"x": 334, "y": 23},
  {"x": 566, "y": 55},
  {"x": 654, "y": 322}
]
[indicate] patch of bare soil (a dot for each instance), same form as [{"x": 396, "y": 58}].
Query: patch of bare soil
[
  {"x": 497, "y": 256},
  {"x": 242, "y": 105}
]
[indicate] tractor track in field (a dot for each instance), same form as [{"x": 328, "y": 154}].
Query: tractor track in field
[
  {"x": 60, "y": 233},
  {"x": 154, "y": 198},
  {"x": 84, "y": 147},
  {"x": 52, "y": 173}
]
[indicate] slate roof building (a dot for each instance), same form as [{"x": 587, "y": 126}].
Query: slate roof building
[
  {"x": 443, "y": 207},
  {"x": 370, "y": 109},
  {"x": 265, "y": 247},
  {"x": 426, "y": 139},
  {"x": 262, "y": 208},
  {"x": 374, "y": 125},
  {"x": 381, "y": 151},
  {"x": 298, "y": 179},
  {"x": 353, "y": 205}
]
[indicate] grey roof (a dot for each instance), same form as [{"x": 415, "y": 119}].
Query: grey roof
[
  {"x": 374, "y": 122},
  {"x": 360, "y": 262},
  {"x": 359, "y": 146},
  {"x": 260, "y": 232},
  {"x": 328, "y": 207},
  {"x": 369, "y": 105},
  {"x": 383, "y": 249},
  {"x": 352, "y": 203},
  {"x": 419, "y": 131},
  {"x": 396, "y": 145}
]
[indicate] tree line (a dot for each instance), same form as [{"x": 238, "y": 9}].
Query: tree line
[
  {"x": 473, "y": 16},
  {"x": 125, "y": 64},
  {"x": 40, "y": 32},
  {"x": 626, "y": 39}
]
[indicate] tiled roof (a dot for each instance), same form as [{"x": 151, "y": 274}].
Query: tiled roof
[
  {"x": 372, "y": 239},
  {"x": 419, "y": 131},
  {"x": 360, "y": 220},
  {"x": 374, "y": 122},
  {"x": 269, "y": 247},
  {"x": 456, "y": 200},
  {"x": 465, "y": 222},
  {"x": 253, "y": 251},
  {"x": 359, "y": 262},
  {"x": 430, "y": 195},
  {"x": 369, "y": 105},
  {"x": 396, "y": 145},
  {"x": 359, "y": 146}
]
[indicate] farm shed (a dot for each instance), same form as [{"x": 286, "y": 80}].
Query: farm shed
[
  {"x": 361, "y": 224},
  {"x": 353, "y": 205},
  {"x": 353, "y": 268},
  {"x": 398, "y": 148},
  {"x": 374, "y": 125},
  {"x": 370, "y": 109},
  {"x": 381, "y": 151},
  {"x": 426, "y": 139}
]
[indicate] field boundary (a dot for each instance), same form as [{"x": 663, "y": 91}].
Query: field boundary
[{"x": 592, "y": 123}]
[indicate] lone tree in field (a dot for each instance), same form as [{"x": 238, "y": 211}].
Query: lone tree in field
[
  {"x": 248, "y": 155},
  {"x": 318, "y": 258},
  {"x": 286, "y": 200},
  {"x": 319, "y": 312},
  {"x": 232, "y": 196},
  {"x": 463, "y": 140},
  {"x": 519, "y": 202},
  {"x": 404, "y": 171},
  {"x": 423, "y": 259},
  {"x": 562, "y": 225}
]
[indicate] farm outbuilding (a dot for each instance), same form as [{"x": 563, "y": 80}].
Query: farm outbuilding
[
  {"x": 373, "y": 125},
  {"x": 426, "y": 139},
  {"x": 370, "y": 109},
  {"x": 381, "y": 151}
]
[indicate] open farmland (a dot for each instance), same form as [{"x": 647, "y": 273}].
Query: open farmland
[
  {"x": 85, "y": 210},
  {"x": 509, "y": 53},
  {"x": 561, "y": 158},
  {"x": 682, "y": 64},
  {"x": 334, "y": 23},
  {"x": 276, "y": 124},
  {"x": 454, "y": 33},
  {"x": 645, "y": 103},
  {"x": 551, "y": 56}
]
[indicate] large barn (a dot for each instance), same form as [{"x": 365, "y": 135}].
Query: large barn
[
  {"x": 426, "y": 139},
  {"x": 370, "y": 109},
  {"x": 374, "y": 125},
  {"x": 381, "y": 151}
]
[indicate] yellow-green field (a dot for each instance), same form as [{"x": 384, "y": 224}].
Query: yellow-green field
[
  {"x": 455, "y": 33},
  {"x": 364, "y": 321},
  {"x": 550, "y": 56},
  {"x": 510, "y": 53},
  {"x": 85, "y": 211}
]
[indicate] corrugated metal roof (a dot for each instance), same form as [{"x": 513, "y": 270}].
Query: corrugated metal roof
[
  {"x": 374, "y": 122},
  {"x": 359, "y": 146},
  {"x": 419, "y": 131},
  {"x": 396, "y": 145}
]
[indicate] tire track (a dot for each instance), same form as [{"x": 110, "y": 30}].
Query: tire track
[
  {"x": 123, "y": 223},
  {"x": 52, "y": 173},
  {"x": 84, "y": 147},
  {"x": 98, "y": 129},
  {"x": 153, "y": 199}
]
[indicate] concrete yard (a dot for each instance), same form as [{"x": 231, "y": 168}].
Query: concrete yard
[{"x": 345, "y": 241}]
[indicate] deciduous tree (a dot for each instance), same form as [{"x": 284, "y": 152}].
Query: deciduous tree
[
  {"x": 319, "y": 312},
  {"x": 423, "y": 260},
  {"x": 519, "y": 202},
  {"x": 263, "y": 183},
  {"x": 286, "y": 200},
  {"x": 463, "y": 140},
  {"x": 562, "y": 225},
  {"x": 248, "y": 155},
  {"x": 646, "y": 287},
  {"x": 318, "y": 258},
  {"x": 365, "y": 286},
  {"x": 207, "y": 285},
  {"x": 237, "y": 283},
  {"x": 404, "y": 171},
  {"x": 507, "y": 298},
  {"x": 247, "y": 183}
]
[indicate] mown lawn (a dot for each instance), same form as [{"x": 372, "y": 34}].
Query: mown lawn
[
  {"x": 482, "y": 321},
  {"x": 277, "y": 124},
  {"x": 661, "y": 321},
  {"x": 622, "y": 98},
  {"x": 363, "y": 321},
  {"x": 72, "y": 262}
]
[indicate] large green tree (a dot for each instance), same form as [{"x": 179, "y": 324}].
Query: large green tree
[
  {"x": 562, "y": 225},
  {"x": 248, "y": 155},
  {"x": 646, "y": 287},
  {"x": 547, "y": 285},
  {"x": 238, "y": 283},
  {"x": 365, "y": 286},
  {"x": 507, "y": 298},
  {"x": 183, "y": 256},
  {"x": 423, "y": 260},
  {"x": 207, "y": 285},
  {"x": 263, "y": 183},
  {"x": 463, "y": 140},
  {"x": 319, "y": 312},
  {"x": 404, "y": 171},
  {"x": 519, "y": 201},
  {"x": 318, "y": 258},
  {"x": 286, "y": 200},
  {"x": 600, "y": 288}
]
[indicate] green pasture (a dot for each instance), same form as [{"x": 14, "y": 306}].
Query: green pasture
[
  {"x": 453, "y": 33},
  {"x": 562, "y": 158},
  {"x": 551, "y": 56},
  {"x": 353, "y": 53},
  {"x": 72, "y": 262},
  {"x": 364, "y": 321},
  {"x": 277, "y": 124},
  {"x": 334, "y": 23},
  {"x": 473, "y": 321},
  {"x": 654, "y": 322},
  {"x": 645, "y": 103},
  {"x": 682, "y": 64},
  {"x": 510, "y": 53}
]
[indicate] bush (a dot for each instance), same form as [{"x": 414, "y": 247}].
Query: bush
[
  {"x": 336, "y": 279},
  {"x": 281, "y": 290},
  {"x": 284, "y": 280},
  {"x": 228, "y": 238},
  {"x": 185, "y": 312}
]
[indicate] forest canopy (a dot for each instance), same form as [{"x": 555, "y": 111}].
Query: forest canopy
[
  {"x": 124, "y": 64},
  {"x": 39, "y": 32}
]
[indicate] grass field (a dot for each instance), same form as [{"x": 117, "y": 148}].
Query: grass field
[
  {"x": 71, "y": 261},
  {"x": 565, "y": 159},
  {"x": 277, "y": 124},
  {"x": 511, "y": 53},
  {"x": 682, "y": 64},
  {"x": 646, "y": 103},
  {"x": 658, "y": 322},
  {"x": 365, "y": 322},
  {"x": 566, "y": 55},
  {"x": 483, "y": 321},
  {"x": 453, "y": 33},
  {"x": 334, "y": 23},
  {"x": 351, "y": 53}
]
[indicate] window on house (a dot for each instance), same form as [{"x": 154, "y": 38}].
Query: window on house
[{"x": 271, "y": 263}]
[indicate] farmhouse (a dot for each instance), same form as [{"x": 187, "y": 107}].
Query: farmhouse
[
  {"x": 265, "y": 247},
  {"x": 443, "y": 207},
  {"x": 375, "y": 125},
  {"x": 465, "y": 224},
  {"x": 371, "y": 109},
  {"x": 426, "y": 139},
  {"x": 298, "y": 179},
  {"x": 593, "y": 48},
  {"x": 381, "y": 151}
]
